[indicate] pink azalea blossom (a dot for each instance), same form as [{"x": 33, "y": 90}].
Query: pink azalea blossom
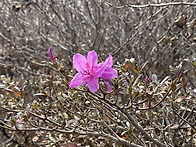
[
  {"x": 89, "y": 71},
  {"x": 51, "y": 55}
]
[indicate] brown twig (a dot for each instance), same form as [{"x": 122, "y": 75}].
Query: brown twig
[{"x": 156, "y": 5}]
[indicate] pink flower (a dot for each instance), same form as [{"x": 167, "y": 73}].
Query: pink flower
[
  {"x": 51, "y": 55},
  {"x": 89, "y": 71}
]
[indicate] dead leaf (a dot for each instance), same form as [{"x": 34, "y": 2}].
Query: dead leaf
[{"x": 181, "y": 21}]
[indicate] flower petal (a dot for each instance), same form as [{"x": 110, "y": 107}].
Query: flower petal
[
  {"x": 108, "y": 85},
  {"x": 92, "y": 59},
  {"x": 93, "y": 84},
  {"x": 109, "y": 73},
  {"x": 79, "y": 62},
  {"x": 78, "y": 80},
  {"x": 100, "y": 68},
  {"x": 109, "y": 61}
]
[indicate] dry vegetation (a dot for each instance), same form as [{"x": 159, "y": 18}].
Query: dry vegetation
[{"x": 153, "y": 102}]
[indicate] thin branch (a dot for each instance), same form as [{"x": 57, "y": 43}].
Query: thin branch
[
  {"x": 192, "y": 126},
  {"x": 162, "y": 4},
  {"x": 155, "y": 5},
  {"x": 127, "y": 116},
  {"x": 154, "y": 106},
  {"x": 72, "y": 132}
]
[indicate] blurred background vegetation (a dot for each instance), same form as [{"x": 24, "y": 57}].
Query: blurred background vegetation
[{"x": 147, "y": 38}]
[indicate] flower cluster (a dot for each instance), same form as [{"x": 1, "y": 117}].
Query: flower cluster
[{"x": 89, "y": 71}]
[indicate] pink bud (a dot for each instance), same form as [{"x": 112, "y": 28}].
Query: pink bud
[
  {"x": 147, "y": 80},
  {"x": 51, "y": 55}
]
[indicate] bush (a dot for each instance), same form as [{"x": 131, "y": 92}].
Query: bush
[{"x": 152, "y": 102}]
